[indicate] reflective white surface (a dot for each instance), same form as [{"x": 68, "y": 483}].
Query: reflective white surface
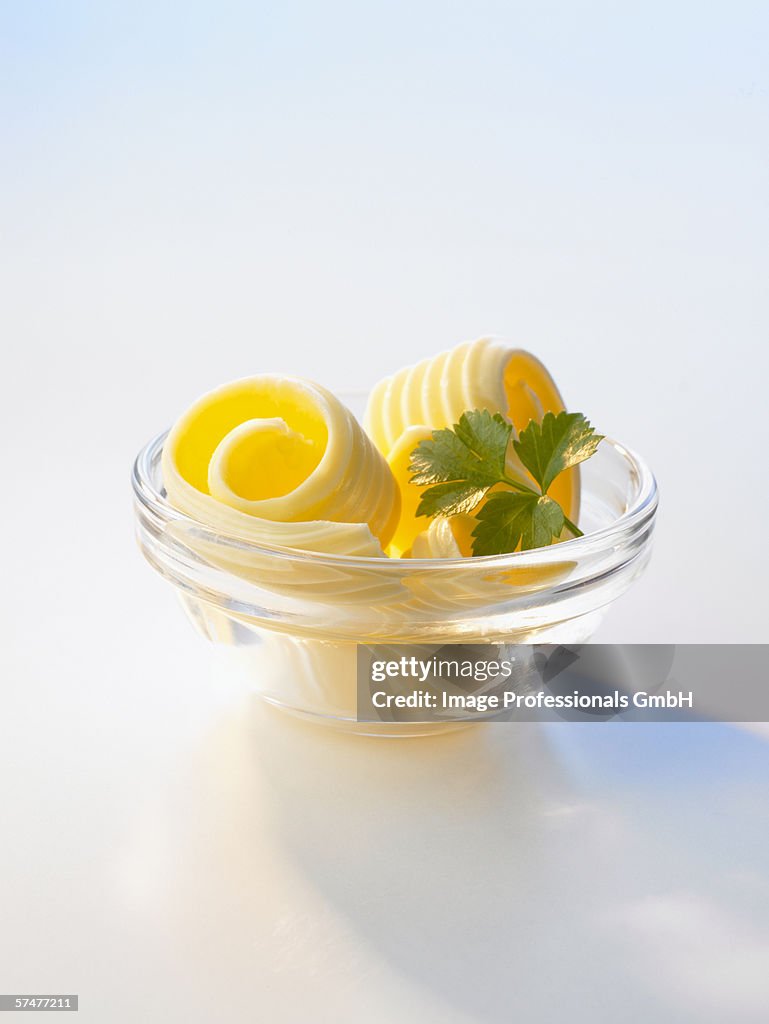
[{"x": 175, "y": 850}]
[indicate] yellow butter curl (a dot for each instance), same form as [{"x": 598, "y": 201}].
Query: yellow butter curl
[
  {"x": 431, "y": 395},
  {"x": 281, "y": 461}
]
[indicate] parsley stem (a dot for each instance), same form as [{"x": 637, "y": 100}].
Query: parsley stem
[
  {"x": 574, "y": 529},
  {"x": 517, "y": 485}
]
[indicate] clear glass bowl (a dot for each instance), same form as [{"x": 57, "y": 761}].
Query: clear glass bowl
[{"x": 294, "y": 618}]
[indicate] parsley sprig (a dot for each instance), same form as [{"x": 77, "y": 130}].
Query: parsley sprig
[{"x": 460, "y": 465}]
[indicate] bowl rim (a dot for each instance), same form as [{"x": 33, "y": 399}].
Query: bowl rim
[{"x": 635, "y": 517}]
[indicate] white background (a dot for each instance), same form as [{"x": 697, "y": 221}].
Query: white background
[{"x": 192, "y": 194}]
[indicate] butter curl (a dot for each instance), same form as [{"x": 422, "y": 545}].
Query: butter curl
[
  {"x": 280, "y": 460},
  {"x": 433, "y": 394}
]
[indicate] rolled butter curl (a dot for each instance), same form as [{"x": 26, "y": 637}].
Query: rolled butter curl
[
  {"x": 433, "y": 394},
  {"x": 281, "y": 461}
]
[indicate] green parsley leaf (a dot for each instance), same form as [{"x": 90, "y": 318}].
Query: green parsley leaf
[
  {"x": 460, "y": 465},
  {"x": 450, "y": 498},
  {"x": 508, "y": 519},
  {"x": 473, "y": 450},
  {"x": 487, "y": 437},
  {"x": 561, "y": 441}
]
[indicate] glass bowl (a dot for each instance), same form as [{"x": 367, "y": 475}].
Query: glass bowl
[{"x": 293, "y": 619}]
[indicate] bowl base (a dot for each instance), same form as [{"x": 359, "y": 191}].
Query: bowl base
[{"x": 382, "y": 730}]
